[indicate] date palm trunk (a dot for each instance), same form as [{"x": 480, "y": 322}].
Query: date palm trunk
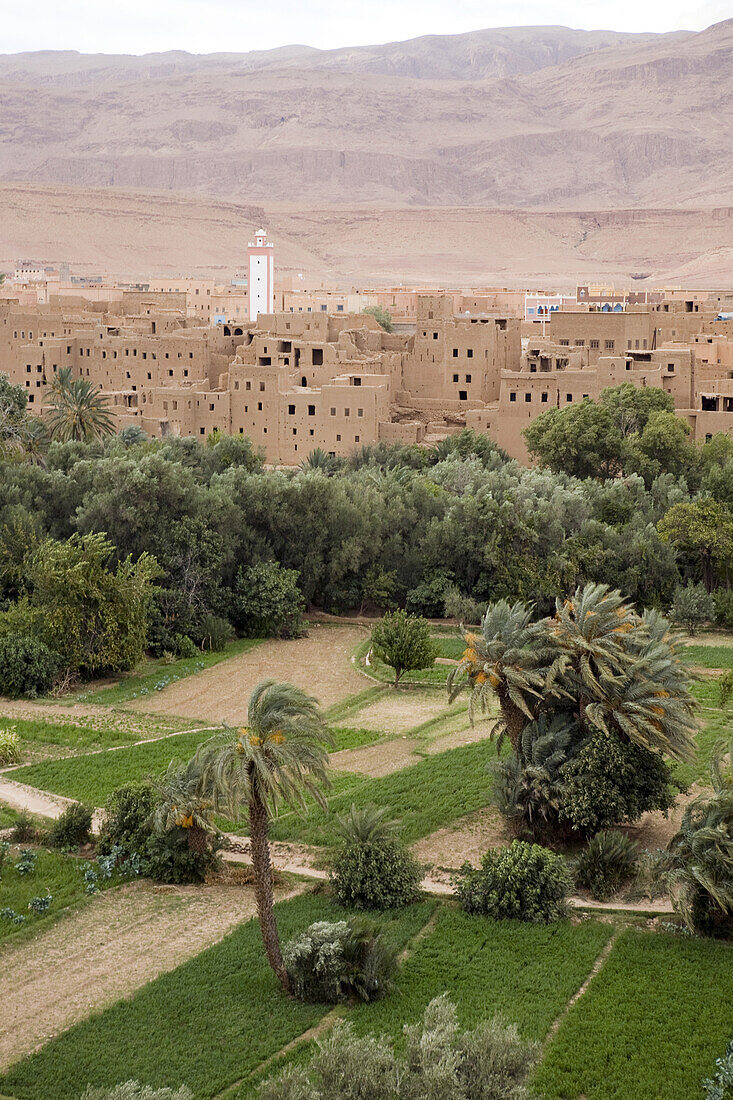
[
  {"x": 514, "y": 719},
  {"x": 264, "y": 886}
]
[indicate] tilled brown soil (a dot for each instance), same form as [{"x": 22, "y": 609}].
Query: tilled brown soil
[
  {"x": 319, "y": 663},
  {"x": 105, "y": 951}
]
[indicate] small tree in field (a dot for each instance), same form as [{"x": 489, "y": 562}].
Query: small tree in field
[
  {"x": 692, "y": 606},
  {"x": 403, "y": 642}
]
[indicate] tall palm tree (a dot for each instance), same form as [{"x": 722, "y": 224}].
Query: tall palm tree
[
  {"x": 275, "y": 760},
  {"x": 79, "y": 412}
]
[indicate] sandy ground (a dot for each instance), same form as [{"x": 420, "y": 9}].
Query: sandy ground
[
  {"x": 467, "y": 838},
  {"x": 380, "y": 759},
  {"x": 396, "y": 711},
  {"x": 320, "y": 664},
  {"x": 106, "y": 951}
]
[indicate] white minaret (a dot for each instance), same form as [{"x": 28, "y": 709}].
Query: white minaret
[{"x": 261, "y": 276}]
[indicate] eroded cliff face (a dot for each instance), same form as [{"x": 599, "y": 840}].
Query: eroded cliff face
[{"x": 529, "y": 118}]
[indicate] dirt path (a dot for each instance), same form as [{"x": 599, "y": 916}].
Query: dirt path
[
  {"x": 19, "y": 796},
  {"x": 106, "y": 951},
  {"x": 320, "y": 664}
]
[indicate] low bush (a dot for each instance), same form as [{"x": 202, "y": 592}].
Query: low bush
[
  {"x": 724, "y": 608},
  {"x": 135, "y": 832},
  {"x": 9, "y": 746},
  {"x": 215, "y": 633},
  {"x": 725, "y": 688},
  {"x": 373, "y": 869},
  {"x": 185, "y": 647},
  {"x": 692, "y": 606},
  {"x": 440, "y": 1062},
  {"x": 609, "y": 860},
  {"x": 609, "y": 782},
  {"x": 132, "y": 1090},
  {"x": 334, "y": 961},
  {"x": 25, "y": 829},
  {"x": 464, "y": 608},
  {"x": 73, "y": 828},
  {"x": 27, "y": 667},
  {"x": 27, "y": 861},
  {"x": 522, "y": 882},
  {"x": 720, "y": 1087}
]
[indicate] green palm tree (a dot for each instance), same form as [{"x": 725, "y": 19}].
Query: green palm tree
[
  {"x": 275, "y": 760},
  {"x": 182, "y": 804},
  {"x": 79, "y": 412},
  {"x": 700, "y": 871}
]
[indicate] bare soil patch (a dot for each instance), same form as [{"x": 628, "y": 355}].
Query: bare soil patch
[
  {"x": 466, "y": 735},
  {"x": 654, "y": 830},
  {"x": 397, "y": 711},
  {"x": 105, "y": 951},
  {"x": 380, "y": 759},
  {"x": 320, "y": 664},
  {"x": 468, "y": 838}
]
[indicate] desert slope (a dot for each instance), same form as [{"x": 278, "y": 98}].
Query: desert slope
[
  {"x": 134, "y": 233},
  {"x": 542, "y": 118}
]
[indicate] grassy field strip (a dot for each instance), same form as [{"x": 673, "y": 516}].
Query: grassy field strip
[
  {"x": 92, "y": 777},
  {"x": 651, "y": 1024},
  {"x": 275, "y": 1061},
  {"x": 354, "y": 703},
  {"x": 526, "y": 973},
  {"x": 595, "y": 970},
  {"x": 709, "y": 656},
  {"x": 209, "y": 1023}
]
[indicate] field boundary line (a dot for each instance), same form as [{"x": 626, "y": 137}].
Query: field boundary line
[
  {"x": 327, "y": 1021},
  {"x": 594, "y": 971}
]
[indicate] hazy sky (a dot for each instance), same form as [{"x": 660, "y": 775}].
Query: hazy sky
[{"x": 208, "y": 26}]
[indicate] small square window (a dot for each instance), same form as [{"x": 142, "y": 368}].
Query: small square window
[
  {"x": 259, "y": 406},
  {"x": 347, "y": 412},
  {"x": 468, "y": 377},
  {"x": 455, "y": 353},
  {"x": 455, "y": 377},
  {"x": 512, "y": 396},
  {"x": 359, "y": 412},
  {"x": 528, "y": 397},
  {"x": 469, "y": 353},
  {"x": 333, "y": 412},
  {"x": 291, "y": 410},
  {"x": 568, "y": 397},
  {"x": 544, "y": 397},
  {"x": 338, "y": 438}
]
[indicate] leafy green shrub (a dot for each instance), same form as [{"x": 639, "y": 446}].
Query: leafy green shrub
[
  {"x": 373, "y": 869},
  {"x": 267, "y": 603},
  {"x": 4, "y": 850},
  {"x": 428, "y": 598},
  {"x": 723, "y": 598},
  {"x": 185, "y": 647},
  {"x": 138, "y": 830},
  {"x": 464, "y": 608},
  {"x": 720, "y": 1087},
  {"x": 698, "y": 873},
  {"x": 11, "y": 916},
  {"x": 9, "y": 746},
  {"x": 403, "y": 642},
  {"x": 127, "y": 815},
  {"x": 692, "y": 606},
  {"x": 25, "y": 828},
  {"x": 132, "y": 1090},
  {"x": 333, "y": 961},
  {"x": 215, "y": 633},
  {"x": 608, "y": 861},
  {"x": 440, "y": 1062},
  {"x": 609, "y": 782},
  {"x": 27, "y": 667},
  {"x": 522, "y": 882},
  {"x": 73, "y": 828}
]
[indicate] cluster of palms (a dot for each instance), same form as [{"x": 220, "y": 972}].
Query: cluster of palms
[{"x": 79, "y": 412}]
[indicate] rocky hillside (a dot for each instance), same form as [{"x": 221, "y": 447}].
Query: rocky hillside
[{"x": 541, "y": 117}]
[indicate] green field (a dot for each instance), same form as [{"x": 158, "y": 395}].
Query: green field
[
  {"x": 424, "y": 796},
  {"x": 56, "y": 874},
  {"x": 87, "y": 734},
  {"x": 709, "y": 656},
  {"x": 209, "y": 1023},
  {"x": 92, "y": 778},
  {"x": 651, "y": 1024}
]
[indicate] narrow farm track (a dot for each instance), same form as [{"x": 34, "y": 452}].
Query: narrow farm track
[
  {"x": 594, "y": 971},
  {"x": 107, "y": 950}
]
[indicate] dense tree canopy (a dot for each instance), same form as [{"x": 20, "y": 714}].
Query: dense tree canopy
[{"x": 403, "y": 525}]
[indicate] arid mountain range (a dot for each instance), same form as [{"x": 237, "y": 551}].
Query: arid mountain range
[{"x": 434, "y": 159}]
